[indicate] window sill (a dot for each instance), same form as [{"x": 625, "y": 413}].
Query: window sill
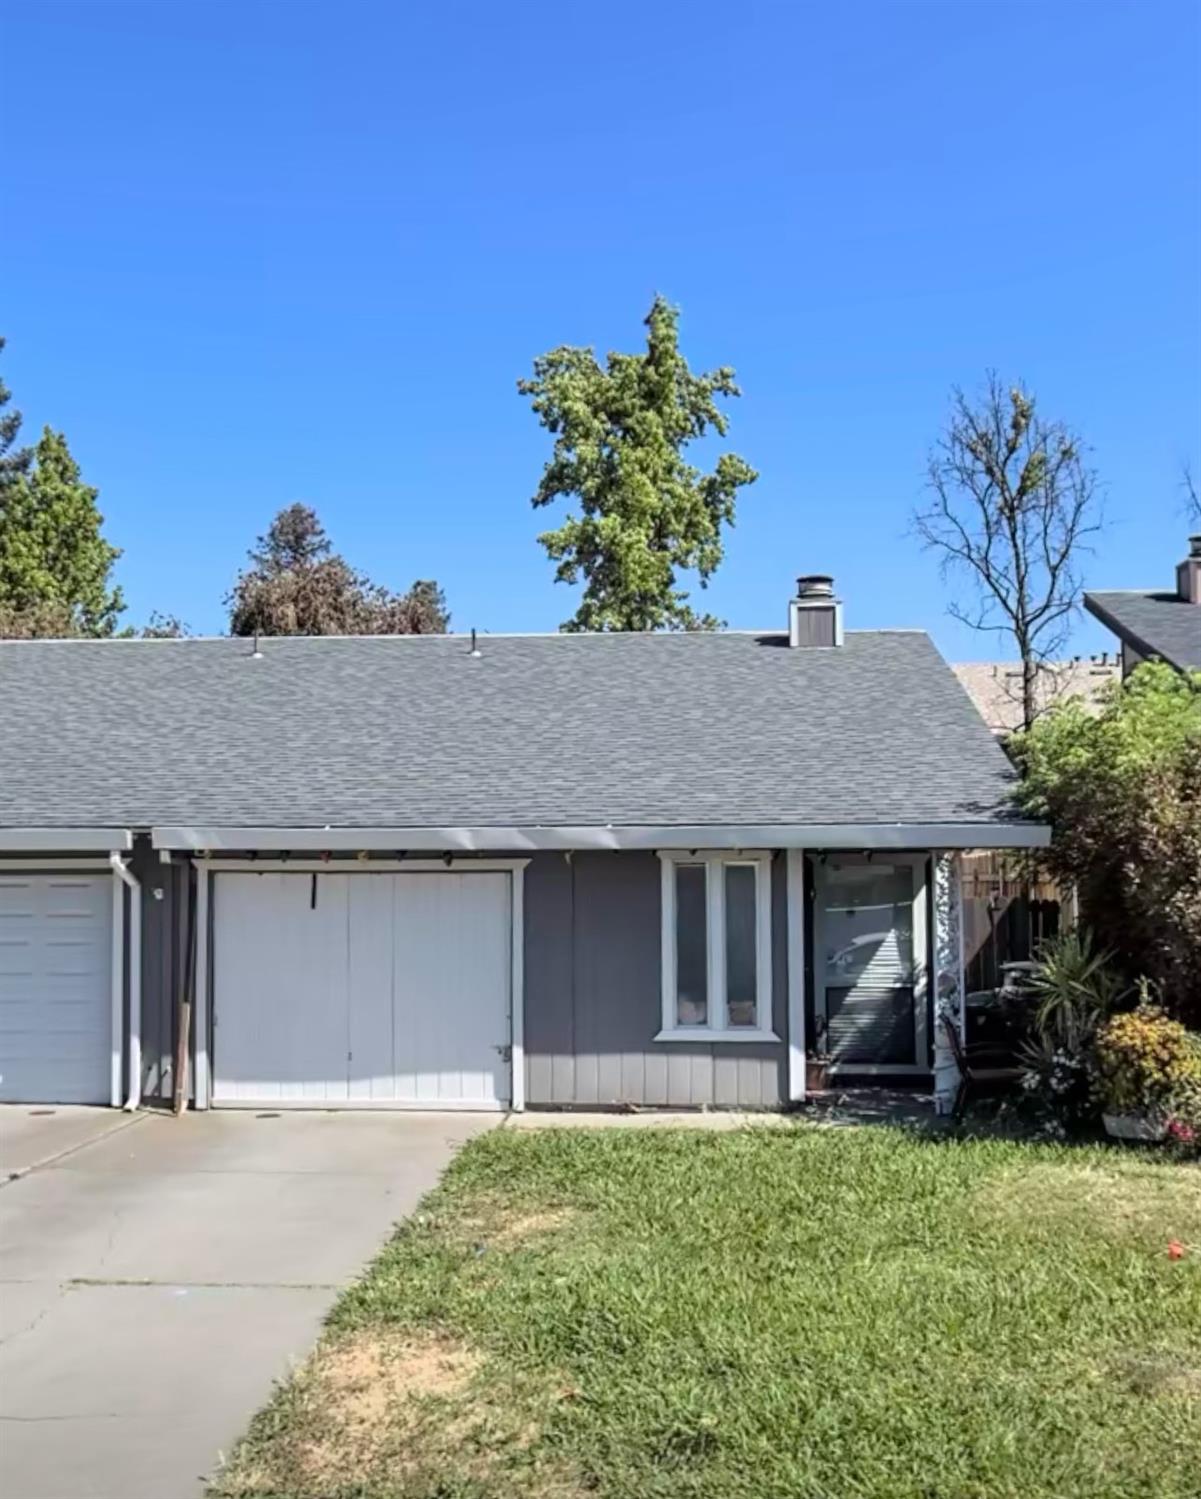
[{"x": 710, "y": 1037}]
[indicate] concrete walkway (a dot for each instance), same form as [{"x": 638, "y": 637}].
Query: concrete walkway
[{"x": 157, "y": 1275}]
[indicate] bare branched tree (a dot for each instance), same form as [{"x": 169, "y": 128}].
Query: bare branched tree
[
  {"x": 1192, "y": 500},
  {"x": 1014, "y": 502},
  {"x": 162, "y": 626}
]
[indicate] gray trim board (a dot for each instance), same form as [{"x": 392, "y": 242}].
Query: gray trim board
[{"x": 65, "y": 840}]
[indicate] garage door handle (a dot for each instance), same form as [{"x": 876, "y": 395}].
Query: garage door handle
[{"x": 506, "y": 1052}]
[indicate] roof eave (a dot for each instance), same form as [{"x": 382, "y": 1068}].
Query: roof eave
[
  {"x": 893, "y": 835},
  {"x": 1128, "y": 636}
]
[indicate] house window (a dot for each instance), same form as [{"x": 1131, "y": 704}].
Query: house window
[{"x": 716, "y": 947}]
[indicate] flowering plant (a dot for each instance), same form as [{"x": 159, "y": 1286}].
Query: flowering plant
[
  {"x": 1057, "y": 1085},
  {"x": 1147, "y": 1063},
  {"x": 1184, "y": 1113}
]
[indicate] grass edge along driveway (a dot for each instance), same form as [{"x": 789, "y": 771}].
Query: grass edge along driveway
[{"x": 826, "y": 1314}]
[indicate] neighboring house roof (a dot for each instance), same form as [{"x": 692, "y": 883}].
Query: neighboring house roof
[
  {"x": 996, "y": 687},
  {"x": 1155, "y": 624},
  {"x": 539, "y": 731}
]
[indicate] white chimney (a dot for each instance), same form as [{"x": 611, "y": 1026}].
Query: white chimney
[
  {"x": 815, "y": 615},
  {"x": 1188, "y": 573}
]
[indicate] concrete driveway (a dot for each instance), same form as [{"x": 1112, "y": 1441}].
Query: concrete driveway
[{"x": 156, "y": 1275}]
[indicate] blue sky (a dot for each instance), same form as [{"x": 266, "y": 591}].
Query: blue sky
[{"x": 257, "y": 253}]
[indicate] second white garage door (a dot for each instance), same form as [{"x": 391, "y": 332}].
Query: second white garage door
[
  {"x": 365, "y": 988},
  {"x": 56, "y": 1028}
]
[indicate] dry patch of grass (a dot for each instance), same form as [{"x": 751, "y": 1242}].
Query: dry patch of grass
[
  {"x": 364, "y": 1374},
  {"x": 1160, "y": 1374},
  {"x": 522, "y": 1227},
  {"x": 366, "y": 1401},
  {"x": 489, "y": 1220},
  {"x": 1126, "y": 1198},
  {"x": 402, "y": 1412}
]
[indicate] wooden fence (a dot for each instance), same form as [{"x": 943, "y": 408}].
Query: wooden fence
[{"x": 1009, "y": 908}]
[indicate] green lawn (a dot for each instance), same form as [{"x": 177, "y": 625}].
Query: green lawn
[{"x": 831, "y": 1314}]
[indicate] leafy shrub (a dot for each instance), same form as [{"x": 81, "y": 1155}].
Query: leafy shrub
[{"x": 1123, "y": 794}]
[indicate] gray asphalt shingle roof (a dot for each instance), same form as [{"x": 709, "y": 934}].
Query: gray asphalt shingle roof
[
  {"x": 559, "y": 730},
  {"x": 1155, "y": 624}
]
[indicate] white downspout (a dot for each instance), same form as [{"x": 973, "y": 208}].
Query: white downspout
[{"x": 123, "y": 871}]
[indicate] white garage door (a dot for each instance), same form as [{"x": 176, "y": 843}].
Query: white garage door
[
  {"x": 369, "y": 989},
  {"x": 56, "y": 988}
]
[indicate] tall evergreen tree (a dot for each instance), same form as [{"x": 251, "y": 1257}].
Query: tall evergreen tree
[
  {"x": 620, "y": 437},
  {"x": 55, "y": 564},
  {"x": 13, "y": 460}
]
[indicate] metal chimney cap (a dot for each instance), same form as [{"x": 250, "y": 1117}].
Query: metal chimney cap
[
  {"x": 815, "y": 586},
  {"x": 1194, "y": 545}
]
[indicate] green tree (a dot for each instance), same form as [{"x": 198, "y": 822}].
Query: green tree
[
  {"x": 13, "y": 460},
  {"x": 1122, "y": 792},
  {"x": 54, "y": 562},
  {"x": 620, "y": 437},
  {"x": 297, "y": 585}
]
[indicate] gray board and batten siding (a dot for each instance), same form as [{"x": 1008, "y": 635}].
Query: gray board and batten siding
[{"x": 593, "y": 1000}]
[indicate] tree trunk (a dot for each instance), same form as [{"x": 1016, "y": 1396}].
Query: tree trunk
[{"x": 1029, "y": 679}]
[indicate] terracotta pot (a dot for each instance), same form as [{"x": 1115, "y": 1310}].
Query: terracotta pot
[
  {"x": 1150, "y": 1128},
  {"x": 817, "y": 1074}
]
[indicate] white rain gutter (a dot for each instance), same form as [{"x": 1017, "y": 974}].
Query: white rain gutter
[
  {"x": 892, "y": 835},
  {"x": 123, "y": 872}
]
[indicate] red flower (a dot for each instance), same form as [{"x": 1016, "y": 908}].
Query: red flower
[{"x": 1175, "y": 1250}]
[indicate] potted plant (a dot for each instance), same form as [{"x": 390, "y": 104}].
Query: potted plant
[
  {"x": 818, "y": 1060},
  {"x": 1144, "y": 1062}
]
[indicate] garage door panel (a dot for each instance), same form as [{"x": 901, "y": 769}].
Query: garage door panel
[
  {"x": 424, "y": 1003},
  {"x": 452, "y": 971},
  {"x": 486, "y": 965},
  {"x": 279, "y": 970},
  {"x": 55, "y": 988},
  {"x": 371, "y": 959}
]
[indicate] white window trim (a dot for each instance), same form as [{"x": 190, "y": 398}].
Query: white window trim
[{"x": 717, "y": 1029}]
